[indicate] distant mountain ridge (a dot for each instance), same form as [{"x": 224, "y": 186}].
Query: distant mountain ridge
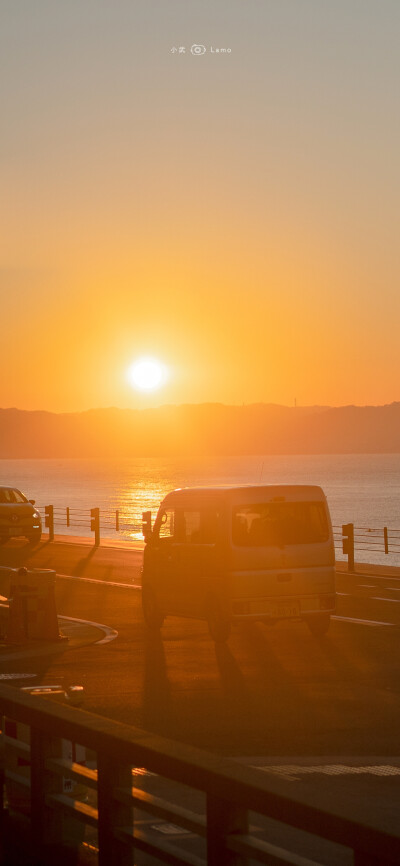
[{"x": 206, "y": 429}]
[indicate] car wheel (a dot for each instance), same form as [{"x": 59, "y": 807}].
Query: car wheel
[
  {"x": 218, "y": 624},
  {"x": 34, "y": 537},
  {"x": 319, "y": 624},
  {"x": 151, "y": 611}
]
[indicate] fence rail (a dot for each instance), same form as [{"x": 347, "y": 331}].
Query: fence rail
[
  {"x": 349, "y": 538},
  {"x": 92, "y": 519},
  {"x": 229, "y": 791},
  {"x": 374, "y": 540}
]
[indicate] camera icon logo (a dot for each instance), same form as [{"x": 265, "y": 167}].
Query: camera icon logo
[{"x": 198, "y": 49}]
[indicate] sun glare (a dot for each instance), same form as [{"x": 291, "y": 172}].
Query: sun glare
[{"x": 147, "y": 374}]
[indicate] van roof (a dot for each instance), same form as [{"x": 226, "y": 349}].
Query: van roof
[{"x": 257, "y": 491}]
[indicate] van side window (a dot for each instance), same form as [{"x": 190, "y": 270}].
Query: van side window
[
  {"x": 279, "y": 523},
  {"x": 167, "y": 525},
  {"x": 200, "y": 526},
  {"x": 192, "y": 526}
]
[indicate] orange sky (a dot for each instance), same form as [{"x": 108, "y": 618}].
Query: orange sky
[{"x": 234, "y": 215}]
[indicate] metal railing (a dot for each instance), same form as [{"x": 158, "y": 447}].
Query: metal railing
[
  {"x": 92, "y": 519},
  {"x": 230, "y": 792},
  {"x": 347, "y": 538}
]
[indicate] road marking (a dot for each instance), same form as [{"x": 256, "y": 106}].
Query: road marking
[
  {"x": 293, "y": 772},
  {"x": 93, "y": 580},
  {"x": 358, "y": 574},
  {"x": 110, "y": 633},
  {"x": 392, "y": 600},
  {"x": 361, "y": 621},
  {"x": 366, "y": 586},
  {"x": 16, "y": 676}
]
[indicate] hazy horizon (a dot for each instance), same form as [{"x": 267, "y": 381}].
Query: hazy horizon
[{"x": 203, "y": 403}]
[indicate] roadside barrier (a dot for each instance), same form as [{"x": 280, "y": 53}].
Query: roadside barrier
[
  {"x": 95, "y": 520},
  {"x": 17, "y": 758},
  {"x": 349, "y": 539},
  {"x": 236, "y": 798},
  {"x": 31, "y": 612},
  {"x": 108, "y": 523}
]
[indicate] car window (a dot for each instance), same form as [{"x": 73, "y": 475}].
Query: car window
[
  {"x": 279, "y": 523},
  {"x": 6, "y": 495},
  {"x": 167, "y": 524},
  {"x": 200, "y": 527},
  {"x": 18, "y": 496}
]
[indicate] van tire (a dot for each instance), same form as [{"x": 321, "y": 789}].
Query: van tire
[
  {"x": 151, "y": 611},
  {"x": 319, "y": 624},
  {"x": 218, "y": 625}
]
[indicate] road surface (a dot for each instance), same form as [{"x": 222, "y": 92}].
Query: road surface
[{"x": 320, "y": 713}]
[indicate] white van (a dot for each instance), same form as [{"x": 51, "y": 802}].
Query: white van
[{"x": 229, "y": 554}]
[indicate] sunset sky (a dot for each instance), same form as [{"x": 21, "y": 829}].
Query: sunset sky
[{"x": 233, "y": 214}]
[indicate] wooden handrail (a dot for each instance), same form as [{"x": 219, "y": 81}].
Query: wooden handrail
[{"x": 231, "y": 790}]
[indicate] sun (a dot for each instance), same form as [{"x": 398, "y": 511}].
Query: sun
[{"x": 147, "y": 374}]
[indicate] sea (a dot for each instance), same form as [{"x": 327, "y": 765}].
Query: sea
[{"x": 363, "y": 489}]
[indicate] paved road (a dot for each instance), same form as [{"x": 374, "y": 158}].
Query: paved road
[
  {"x": 321, "y": 713},
  {"x": 274, "y": 691}
]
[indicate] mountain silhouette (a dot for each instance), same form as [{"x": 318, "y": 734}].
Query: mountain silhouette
[{"x": 206, "y": 429}]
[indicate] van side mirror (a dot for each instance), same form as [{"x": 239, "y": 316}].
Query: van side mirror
[{"x": 146, "y": 525}]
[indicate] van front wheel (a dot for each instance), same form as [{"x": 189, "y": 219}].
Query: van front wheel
[
  {"x": 319, "y": 624},
  {"x": 218, "y": 625},
  {"x": 151, "y": 611}
]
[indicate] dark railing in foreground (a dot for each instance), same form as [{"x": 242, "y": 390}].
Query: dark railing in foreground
[
  {"x": 347, "y": 537},
  {"x": 231, "y": 792}
]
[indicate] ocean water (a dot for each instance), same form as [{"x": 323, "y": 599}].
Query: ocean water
[{"x": 363, "y": 489}]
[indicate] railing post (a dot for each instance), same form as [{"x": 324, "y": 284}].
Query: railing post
[
  {"x": 49, "y": 520},
  {"x": 112, "y": 814},
  {"x": 348, "y": 544},
  {"x": 386, "y": 539},
  {"x": 46, "y": 823},
  {"x": 224, "y": 819},
  {"x": 95, "y": 524},
  {"x": 67, "y": 516},
  {"x": 117, "y": 520},
  {"x": 2, "y": 777}
]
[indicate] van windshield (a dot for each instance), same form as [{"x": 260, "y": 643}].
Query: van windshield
[{"x": 279, "y": 523}]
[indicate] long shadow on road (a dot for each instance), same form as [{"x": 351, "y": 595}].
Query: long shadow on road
[
  {"x": 26, "y": 671},
  {"x": 157, "y": 705}
]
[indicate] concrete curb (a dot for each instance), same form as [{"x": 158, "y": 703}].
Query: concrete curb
[{"x": 77, "y": 633}]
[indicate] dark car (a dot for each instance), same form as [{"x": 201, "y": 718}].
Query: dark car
[{"x": 18, "y": 516}]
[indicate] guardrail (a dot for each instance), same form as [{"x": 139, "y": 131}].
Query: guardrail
[
  {"x": 347, "y": 537},
  {"x": 230, "y": 792},
  {"x": 92, "y": 519}
]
